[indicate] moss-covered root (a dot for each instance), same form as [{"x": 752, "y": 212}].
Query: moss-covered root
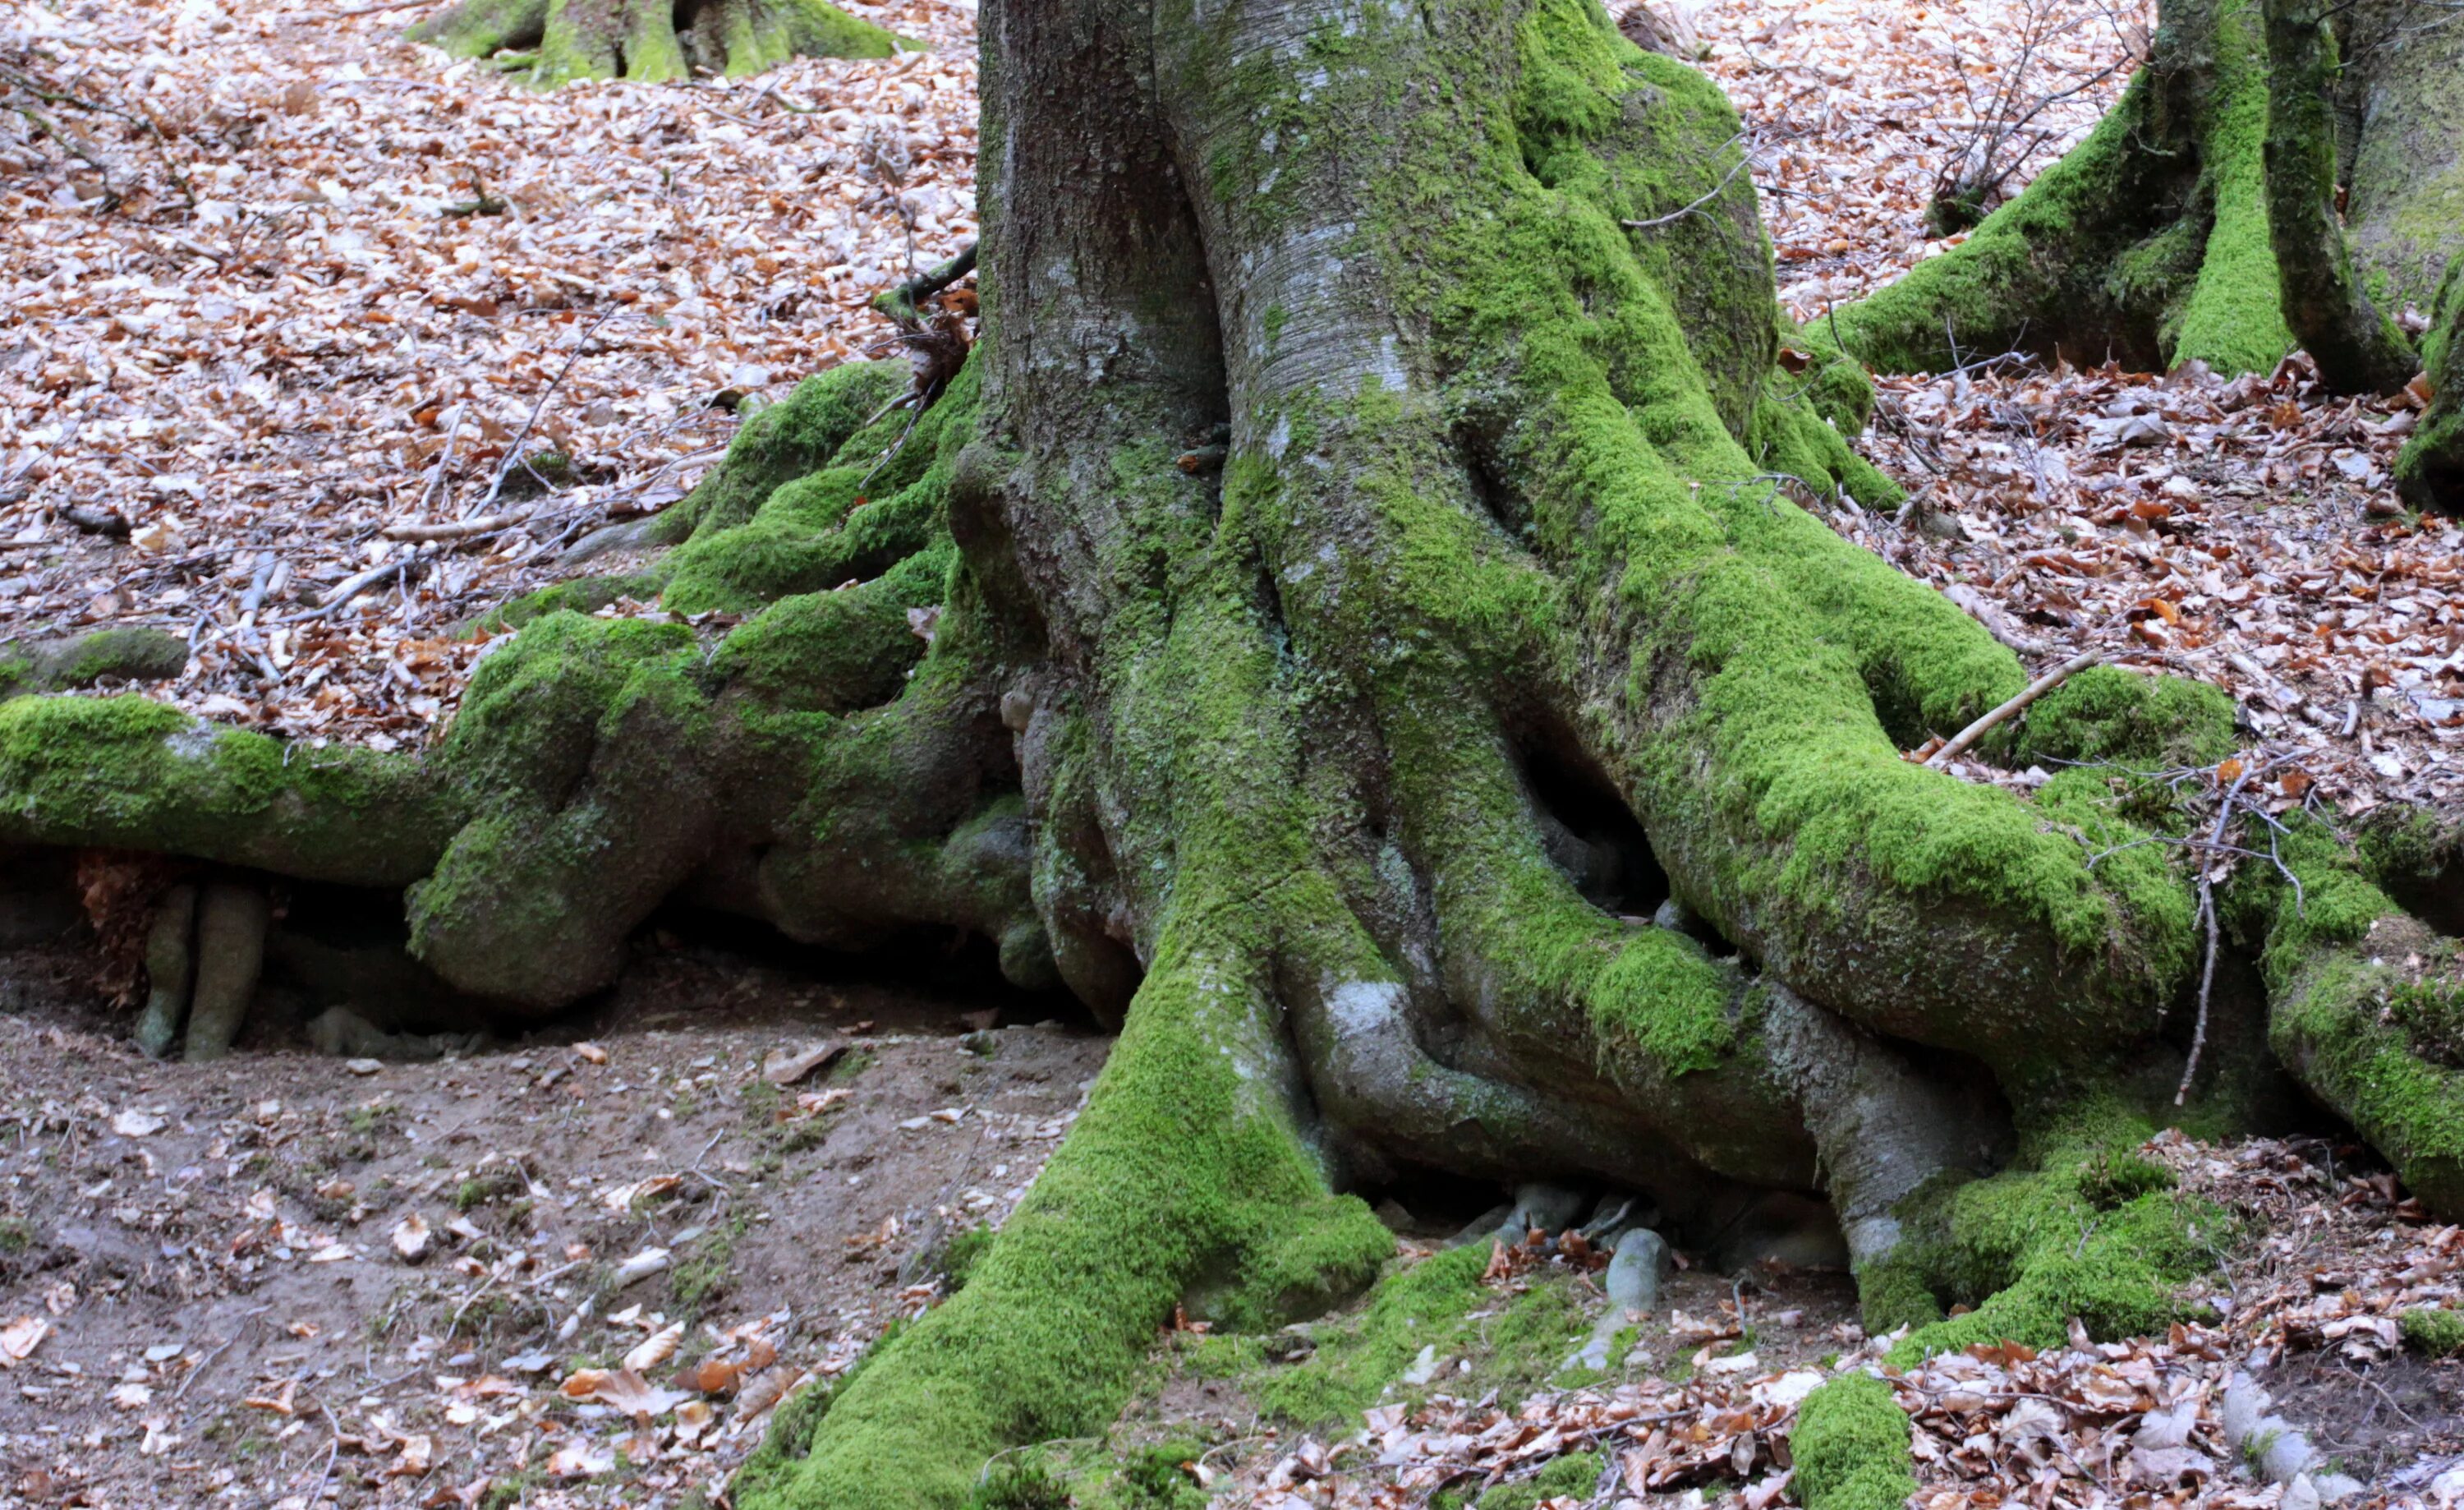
[
  {"x": 2149, "y": 241},
  {"x": 127, "y": 772},
  {"x": 2430, "y": 472},
  {"x": 2080, "y": 1228},
  {"x": 2373, "y": 1025},
  {"x": 557, "y": 40},
  {"x": 1185, "y": 1173},
  {"x": 132, "y": 653},
  {"x": 2358, "y": 348},
  {"x": 1851, "y": 1447}
]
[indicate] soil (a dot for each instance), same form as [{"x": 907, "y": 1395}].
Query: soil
[{"x": 213, "y": 1248}]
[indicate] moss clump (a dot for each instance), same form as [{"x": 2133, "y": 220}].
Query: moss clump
[
  {"x": 1417, "y": 1305},
  {"x": 1851, "y": 1447},
  {"x": 2083, "y": 1226},
  {"x": 2106, "y": 714},
  {"x": 1575, "y": 1475},
  {"x": 132, "y": 653},
  {"x": 2433, "y": 1331}
]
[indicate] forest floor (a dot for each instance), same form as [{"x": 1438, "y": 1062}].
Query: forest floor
[{"x": 280, "y": 283}]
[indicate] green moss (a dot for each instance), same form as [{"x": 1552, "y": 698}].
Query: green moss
[
  {"x": 2082, "y": 1227},
  {"x": 2234, "y": 321},
  {"x": 1577, "y": 1475},
  {"x": 1019, "y": 1486},
  {"x": 1416, "y": 1306},
  {"x": 128, "y": 771},
  {"x": 1851, "y": 1447},
  {"x": 2433, "y": 1331},
  {"x": 2107, "y": 713}
]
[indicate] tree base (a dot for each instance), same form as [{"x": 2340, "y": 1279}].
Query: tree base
[{"x": 652, "y": 41}]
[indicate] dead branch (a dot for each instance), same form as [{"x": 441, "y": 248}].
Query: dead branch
[{"x": 1960, "y": 741}]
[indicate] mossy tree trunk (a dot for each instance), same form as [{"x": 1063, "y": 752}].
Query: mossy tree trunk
[
  {"x": 650, "y": 41},
  {"x": 2203, "y": 219},
  {"x": 1493, "y": 767}
]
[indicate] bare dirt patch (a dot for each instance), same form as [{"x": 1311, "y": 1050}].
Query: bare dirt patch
[{"x": 258, "y": 1282}]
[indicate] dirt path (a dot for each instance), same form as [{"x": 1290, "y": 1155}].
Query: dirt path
[{"x": 204, "y": 1266}]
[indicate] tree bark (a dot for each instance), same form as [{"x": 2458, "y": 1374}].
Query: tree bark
[
  {"x": 650, "y": 41},
  {"x": 1491, "y": 768}
]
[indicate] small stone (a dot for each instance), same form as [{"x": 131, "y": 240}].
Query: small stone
[{"x": 363, "y": 1066}]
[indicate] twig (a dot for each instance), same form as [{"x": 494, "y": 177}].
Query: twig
[
  {"x": 2207, "y": 914},
  {"x": 372, "y": 10},
  {"x": 444, "y": 463},
  {"x": 1960, "y": 741},
  {"x": 208, "y": 1361},
  {"x": 514, "y": 452},
  {"x": 1716, "y": 191},
  {"x": 353, "y": 587}
]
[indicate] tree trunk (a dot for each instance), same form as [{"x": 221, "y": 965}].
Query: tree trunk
[
  {"x": 650, "y": 41},
  {"x": 2430, "y": 472},
  {"x": 2200, "y": 221},
  {"x": 1358, "y": 614}
]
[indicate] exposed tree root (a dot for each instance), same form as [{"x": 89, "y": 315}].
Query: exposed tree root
[{"x": 650, "y": 41}]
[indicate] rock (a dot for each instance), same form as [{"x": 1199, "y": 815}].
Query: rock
[
  {"x": 169, "y": 970},
  {"x": 1635, "y": 1273},
  {"x": 345, "y": 1035},
  {"x": 1544, "y": 1207},
  {"x": 230, "y": 952}
]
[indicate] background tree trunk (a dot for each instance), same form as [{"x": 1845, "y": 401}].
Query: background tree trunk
[
  {"x": 2200, "y": 220},
  {"x": 650, "y": 41}
]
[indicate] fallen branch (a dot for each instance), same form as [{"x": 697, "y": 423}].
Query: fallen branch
[
  {"x": 353, "y": 587},
  {"x": 1961, "y": 741},
  {"x": 904, "y": 302},
  {"x": 457, "y": 529},
  {"x": 96, "y": 521}
]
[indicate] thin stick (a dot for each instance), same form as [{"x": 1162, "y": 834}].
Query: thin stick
[
  {"x": 1961, "y": 741},
  {"x": 459, "y": 529},
  {"x": 372, "y": 10},
  {"x": 1717, "y": 189},
  {"x": 514, "y": 452},
  {"x": 444, "y": 462},
  {"x": 2207, "y": 915},
  {"x": 355, "y": 585}
]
